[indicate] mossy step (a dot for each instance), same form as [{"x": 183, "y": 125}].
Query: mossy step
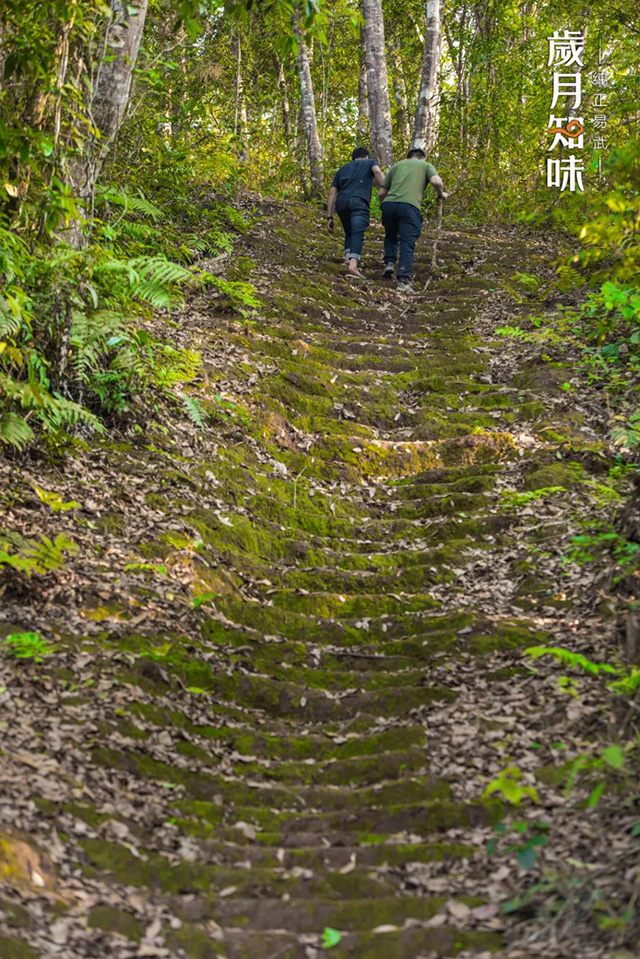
[
  {"x": 183, "y": 878},
  {"x": 334, "y": 857},
  {"x": 390, "y": 562},
  {"x": 417, "y": 638},
  {"x": 281, "y": 698},
  {"x": 358, "y": 771},
  {"x": 337, "y": 361},
  {"x": 284, "y": 744},
  {"x": 335, "y": 675},
  {"x": 223, "y": 631},
  {"x": 17, "y": 949},
  {"x": 312, "y": 915},
  {"x": 249, "y": 792},
  {"x": 412, "y": 577},
  {"x": 369, "y": 634},
  {"x": 444, "y": 941},
  {"x": 270, "y": 621},
  {"x": 294, "y": 828},
  {"x": 269, "y": 541},
  {"x": 345, "y": 606}
]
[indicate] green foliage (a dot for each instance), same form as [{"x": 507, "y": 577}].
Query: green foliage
[
  {"x": 35, "y": 556},
  {"x": 610, "y": 241},
  {"x": 508, "y": 784},
  {"x": 602, "y": 540},
  {"x": 627, "y": 684},
  {"x": 26, "y": 646},
  {"x": 527, "y": 281},
  {"x": 569, "y": 658},
  {"x": 72, "y": 325},
  {"x": 512, "y": 500},
  {"x": 54, "y": 500},
  {"x": 530, "y": 836},
  {"x": 330, "y": 938},
  {"x": 603, "y": 768},
  {"x": 194, "y": 410}
]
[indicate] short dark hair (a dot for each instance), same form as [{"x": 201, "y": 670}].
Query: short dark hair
[
  {"x": 416, "y": 151},
  {"x": 359, "y": 153}
]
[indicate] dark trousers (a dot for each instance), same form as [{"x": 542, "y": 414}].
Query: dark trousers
[
  {"x": 402, "y": 226},
  {"x": 354, "y": 216}
]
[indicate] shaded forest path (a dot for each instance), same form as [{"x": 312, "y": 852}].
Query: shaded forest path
[{"x": 289, "y": 652}]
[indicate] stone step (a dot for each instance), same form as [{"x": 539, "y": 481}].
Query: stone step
[{"x": 443, "y": 942}]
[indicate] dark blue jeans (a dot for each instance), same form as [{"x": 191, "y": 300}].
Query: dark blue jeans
[
  {"x": 354, "y": 216},
  {"x": 402, "y": 225}
]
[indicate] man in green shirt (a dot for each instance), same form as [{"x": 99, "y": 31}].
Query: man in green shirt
[{"x": 401, "y": 198}]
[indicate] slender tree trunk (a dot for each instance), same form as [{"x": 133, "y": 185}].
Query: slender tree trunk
[
  {"x": 240, "y": 117},
  {"x": 301, "y": 152},
  {"x": 400, "y": 94},
  {"x": 109, "y": 100},
  {"x": 308, "y": 110},
  {"x": 362, "y": 126},
  {"x": 377, "y": 82},
  {"x": 425, "y": 129},
  {"x": 284, "y": 98}
]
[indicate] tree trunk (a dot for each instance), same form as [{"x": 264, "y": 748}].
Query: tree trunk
[
  {"x": 109, "y": 100},
  {"x": 240, "y": 116},
  {"x": 400, "y": 95},
  {"x": 301, "y": 153},
  {"x": 284, "y": 95},
  {"x": 377, "y": 82},
  {"x": 308, "y": 110},
  {"x": 425, "y": 130},
  {"x": 362, "y": 126}
]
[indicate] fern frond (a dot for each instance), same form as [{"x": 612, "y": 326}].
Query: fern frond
[
  {"x": 158, "y": 269},
  {"x": 131, "y": 203},
  {"x": 157, "y": 295},
  {"x": 10, "y": 324},
  {"x": 194, "y": 410},
  {"x": 15, "y": 431},
  {"x": 61, "y": 412}
]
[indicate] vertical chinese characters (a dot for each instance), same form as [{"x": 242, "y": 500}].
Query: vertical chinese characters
[
  {"x": 566, "y": 49},
  {"x": 600, "y": 78}
]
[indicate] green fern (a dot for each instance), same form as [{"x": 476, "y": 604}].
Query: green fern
[
  {"x": 194, "y": 410},
  {"x": 568, "y": 658},
  {"x": 131, "y": 203},
  {"x": 35, "y": 556},
  {"x": 15, "y": 431},
  {"x": 27, "y": 646}
]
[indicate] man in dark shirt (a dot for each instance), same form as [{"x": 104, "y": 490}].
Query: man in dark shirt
[{"x": 352, "y": 186}]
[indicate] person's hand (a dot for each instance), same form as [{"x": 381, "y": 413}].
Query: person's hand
[
  {"x": 330, "y": 224},
  {"x": 444, "y": 195}
]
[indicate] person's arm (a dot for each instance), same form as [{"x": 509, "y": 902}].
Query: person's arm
[
  {"x": 378, "y": 175},
  {"x": 331, "y": 205},
  {"x": 386, "y": 183},
  {"x": 438, "y": 186}
]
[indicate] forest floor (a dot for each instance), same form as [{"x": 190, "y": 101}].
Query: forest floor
[{"x": 288, "y": 653}]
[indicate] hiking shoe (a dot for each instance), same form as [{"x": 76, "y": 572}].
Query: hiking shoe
[
  {"x": 404, "y": 286},
  {"x": 388, "y": 270}
]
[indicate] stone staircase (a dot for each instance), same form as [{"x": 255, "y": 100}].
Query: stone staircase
[{"x": 278, "y": 767}]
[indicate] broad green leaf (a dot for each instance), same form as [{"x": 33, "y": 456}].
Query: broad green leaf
[
  {"x": 614, "y": 757},
  {"x": 330, "y": 938},
  {"x": 526, "y": 857}
]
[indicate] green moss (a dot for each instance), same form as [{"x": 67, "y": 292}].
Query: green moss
[
  {"x": 15, "y": 915},
  {"x": 16, "y": 949},
  {"x": 194, "y": 942},
  {"x": 555, "y": 474},
  {"x": 113, "y": 920}
]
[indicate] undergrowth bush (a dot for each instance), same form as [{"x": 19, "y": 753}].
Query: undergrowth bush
[{"x": 73, "y": 351}]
